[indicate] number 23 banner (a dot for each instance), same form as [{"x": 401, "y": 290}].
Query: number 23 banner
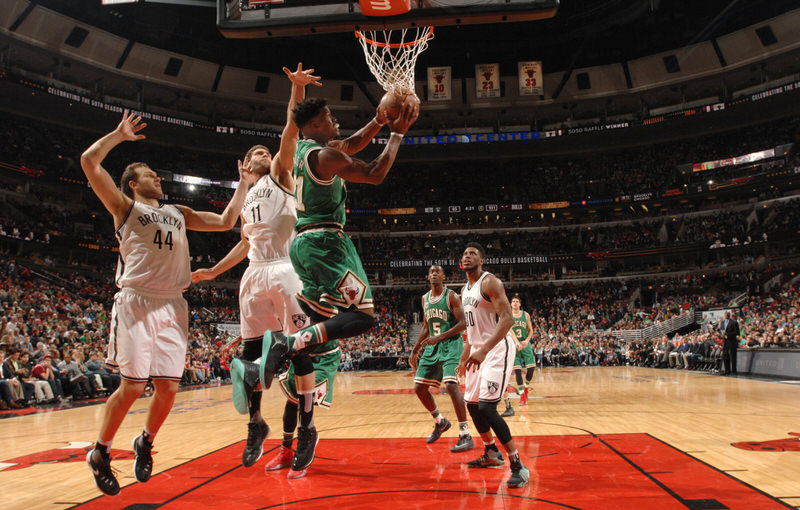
[
  {"x": 487, "y": 80},
  {"x": 530, "y": 78},
  {"x": 439, "y": 84}
]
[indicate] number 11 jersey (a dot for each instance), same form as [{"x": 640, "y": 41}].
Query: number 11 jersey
[{"x": 268, "y": 218}]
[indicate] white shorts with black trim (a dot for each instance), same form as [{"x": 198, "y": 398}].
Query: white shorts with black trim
[
  {"x": 488, "y": 382},
  {"x": 267, "y": 299},
  {"x": 148, "y": 335}
]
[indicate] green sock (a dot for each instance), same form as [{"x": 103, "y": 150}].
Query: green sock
[{"x": 437, "y": 415}]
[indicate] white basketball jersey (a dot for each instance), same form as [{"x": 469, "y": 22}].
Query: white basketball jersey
[
  {"x": 269, "y": 214},
  {"x": 479, "y": 313},
  {"x": 153, "y": 250}
]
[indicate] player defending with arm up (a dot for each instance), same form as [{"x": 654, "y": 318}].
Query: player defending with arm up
[
  {"x": 149, "y": 319},
  {"x": 269, "y": 285},
  {"x": 488, "y": 362},
  {"x": 440, "y": 344}
]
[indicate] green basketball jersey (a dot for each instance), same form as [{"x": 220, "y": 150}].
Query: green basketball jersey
[
  {"x": 438, "y": 313},
  {"x": 520, "y": 327},
  {"x": 318, "y": 201}
]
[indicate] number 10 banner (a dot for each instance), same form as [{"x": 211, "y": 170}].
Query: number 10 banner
[
  {"x": 487, "y": 80},
  {"x": 439, "y": 84},
  {"x": 530, "y": 78}
]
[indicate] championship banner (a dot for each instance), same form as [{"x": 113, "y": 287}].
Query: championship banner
[
  {"x": 531, "y": 81},
  {"x": 487, "y": 80},
  {"x": 439, "y": 83}
]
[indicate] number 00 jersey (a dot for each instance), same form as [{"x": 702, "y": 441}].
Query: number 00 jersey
[
  {"x": 268, "y": 218},
  {"x": 479, "y": 314},
  {"x": 319, "y": 202},
  {"x": 153, "y": 250}
]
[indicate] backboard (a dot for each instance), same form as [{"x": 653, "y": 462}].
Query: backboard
[{"x": 279, "y": 18}]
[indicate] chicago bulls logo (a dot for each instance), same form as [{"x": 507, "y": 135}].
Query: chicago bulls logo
[
  {"x": 438, "y": 78},
  {"x": 790, "y": 444},
  {"x": 352, "y": 289},
  {"x": 75, "y": 451},
  {"x": 487, "y": 75},
  {"x": 529, "y": 72}
]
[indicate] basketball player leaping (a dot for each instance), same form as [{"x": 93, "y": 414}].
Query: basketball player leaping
[
  {"x": 440, "y": 347},
  {"x": 149, "y": 319},
  {"x": 269, "y": 285},
  {"x": 488, "y": 362},
  {"x": 335, "y": 294}
]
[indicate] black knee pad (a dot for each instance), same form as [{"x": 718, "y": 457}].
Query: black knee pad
[
  {"x": 496, "y": 422},
  {"x": 481, "y": 425},
  {"x": 302, "y": 364},
  {"x": 252, "y": 348},
  {"x": 529, "y": 374},
  {"x": 518, "y": 374}
]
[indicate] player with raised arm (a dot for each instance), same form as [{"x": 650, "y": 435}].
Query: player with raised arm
[
  {"x": 269, "y": 284},
  {"x": 440, "y": 345},
  {"x": 335, "y": 294},
  {"x": 522, "y": 333},
  {"x": 488, "y": 362},
  {"x": 150, "y": 318}
]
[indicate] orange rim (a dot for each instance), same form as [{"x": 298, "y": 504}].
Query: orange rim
[{"x": 408, "y": 44}]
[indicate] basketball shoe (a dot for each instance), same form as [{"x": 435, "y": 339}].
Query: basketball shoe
[
  {"x": 509, "y": 410},
  {"x": 257, "y": 432},
  {"x": 523, "y": 399},
  {"x": 244, "y": 379},
  {"x": 307, "y": 440},
  {"x": 490, "y": 458},
  {"x": 275, "y": 352},
  {"x": 519, "y": 477},
  {"x": 99, "y": 462},
  {"x": 464, "y": 444},
  {"x": 143, "y": 467},
  {"x": 438, "y": 429},
  {"x": 282, "y": 459}
]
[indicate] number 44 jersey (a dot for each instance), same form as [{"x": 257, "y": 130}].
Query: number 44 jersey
[
  {"x": 268, "y": 218},
  {"x": 153, "y": 250}
]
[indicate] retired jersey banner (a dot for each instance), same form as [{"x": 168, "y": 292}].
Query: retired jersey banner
[
  {"x": 439, "y": 83},
  {"x": 487, "y": 80},
  {"x": 531, "y": 82}
]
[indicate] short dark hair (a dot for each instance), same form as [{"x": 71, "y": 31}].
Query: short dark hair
[
  {"x": 477, "y": 246},
  {"x": 255, "y": 148},
  {"x": 307, "y": 109},
  {"x": 130, "y": 175}
]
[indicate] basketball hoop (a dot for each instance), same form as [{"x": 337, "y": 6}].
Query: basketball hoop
[{"x": 391, "y": 57}]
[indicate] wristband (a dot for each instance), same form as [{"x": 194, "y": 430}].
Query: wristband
[{"x": 401, "y": 135}]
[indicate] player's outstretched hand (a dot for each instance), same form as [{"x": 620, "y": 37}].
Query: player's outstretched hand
[
  {"x": 303, "y": 77},
  {"x": 406, "y": 118},
  {"x": 130, "y": 125},
  {"x": 246, "y": 174},
  {"x": 200, "y": 275}
]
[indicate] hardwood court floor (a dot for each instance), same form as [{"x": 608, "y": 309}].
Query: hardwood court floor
[{"x": 592, "y": 437}]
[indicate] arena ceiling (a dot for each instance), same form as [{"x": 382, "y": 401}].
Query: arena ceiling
[{"x": 583, "y": 33}]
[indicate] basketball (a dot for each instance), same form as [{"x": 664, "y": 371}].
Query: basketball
[{"x": 392, "y": 103}]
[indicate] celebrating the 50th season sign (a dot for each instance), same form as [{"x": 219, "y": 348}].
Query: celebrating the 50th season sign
[{"x": 487, "y": 80}]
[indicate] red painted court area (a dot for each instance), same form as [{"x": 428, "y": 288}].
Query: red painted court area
[{"x": 616, "y": 471}]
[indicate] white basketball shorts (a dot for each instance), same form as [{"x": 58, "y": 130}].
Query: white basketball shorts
[
  {"x": 488, "y": 382},
  {"x": 267, "y": 299},
  {"x": 148, "y": 335}
]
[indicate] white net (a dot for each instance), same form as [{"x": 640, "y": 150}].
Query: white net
[{"x": 392, "y": 54}]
